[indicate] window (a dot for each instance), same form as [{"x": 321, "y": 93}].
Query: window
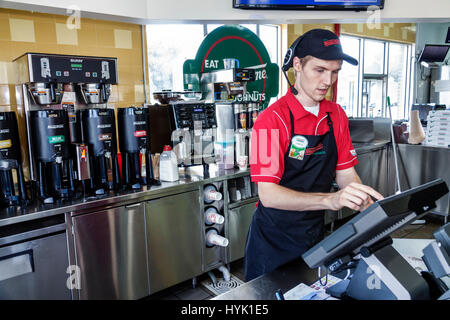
[
  {"x": 384, "y": 70},
  {"x": 398, "y": 81},
  {"x": 348, "y": 82},
  {"x": 169, "y": 45}
]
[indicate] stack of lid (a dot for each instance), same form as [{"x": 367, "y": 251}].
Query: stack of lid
[{"x": 438, "y": 128}]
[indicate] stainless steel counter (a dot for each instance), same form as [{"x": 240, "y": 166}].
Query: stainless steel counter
[
  {"x": 420, "y": 164},
  {"x": 190, "y": 179},
  {"x": 370, "y": 146}
]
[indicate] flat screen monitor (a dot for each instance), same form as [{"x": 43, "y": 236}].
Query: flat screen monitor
[
  {"x": 376, "y": 223},
  {"x": 434, "y": 53},
  {"x": 356, "y": 5}
]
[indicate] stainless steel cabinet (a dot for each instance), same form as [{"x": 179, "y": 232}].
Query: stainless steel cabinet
[
  {"x": 33, "y": 264},
  {"x": 174, "y": 240},
  {"x": 239, "y": 220},
  {"x": 421, "y": 164},
  {"x": 372, "y": 168},
  {"x": 110, "y": 251}
]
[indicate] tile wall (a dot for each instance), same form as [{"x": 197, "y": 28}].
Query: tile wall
[{"x": 23, "y": 31}]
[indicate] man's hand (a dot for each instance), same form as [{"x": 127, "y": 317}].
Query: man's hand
[{"x": 355, "y": 196}]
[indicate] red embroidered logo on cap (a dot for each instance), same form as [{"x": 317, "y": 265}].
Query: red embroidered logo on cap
[{"x": 331, "y": 42}]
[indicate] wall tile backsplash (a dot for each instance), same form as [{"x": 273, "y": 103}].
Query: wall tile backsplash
[{"x": 23, "y": 31}]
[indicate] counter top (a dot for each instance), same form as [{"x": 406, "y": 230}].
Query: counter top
[
  {"x": 362, "y": 147},
  {"x": 190, "y": 179}
]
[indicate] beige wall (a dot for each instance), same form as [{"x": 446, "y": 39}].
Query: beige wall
[
  {"x": 401, "y": 32},
  {"x": 23, "y": 31}
]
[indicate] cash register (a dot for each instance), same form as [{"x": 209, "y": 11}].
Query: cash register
[{"x": 363, "y": 245}]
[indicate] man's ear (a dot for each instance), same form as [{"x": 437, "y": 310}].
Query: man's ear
[{"x": 296, "y": 64}]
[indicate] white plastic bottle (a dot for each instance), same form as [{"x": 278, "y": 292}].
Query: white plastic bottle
[
  {"x": 168, "y": 166},
  {"x": 211, "y": 194},
  {"x": 213, "y": 217},
  {"x": 214, "y": 239}
]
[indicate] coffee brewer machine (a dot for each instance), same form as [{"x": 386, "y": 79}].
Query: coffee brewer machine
[
  {"x": 49, "y": 130},
  {"x": 134, "y": 143},
  {"x": 189, "y": 126},
  {"x": 64, "y": 82},
  {"x": 11, "y": 160},
  {"x": 98, "y": 132}
]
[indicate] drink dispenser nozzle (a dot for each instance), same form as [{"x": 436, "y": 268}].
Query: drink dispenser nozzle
[
  {"x": 104, "y": 93},
  {"x": 52, "y": 91}
]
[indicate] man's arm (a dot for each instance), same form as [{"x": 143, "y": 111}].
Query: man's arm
[
  {"x": 275, "y": 196},
  {"x": 347, "y": 176},
  {"x": 353, "y": 195}
]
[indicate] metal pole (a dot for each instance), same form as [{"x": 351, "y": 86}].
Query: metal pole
[{"x": 394, "y": 147}]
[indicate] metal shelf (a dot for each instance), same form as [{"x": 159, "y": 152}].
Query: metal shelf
[{"x": 242, "y": 202}]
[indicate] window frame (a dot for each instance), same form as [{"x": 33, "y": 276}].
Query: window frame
[{"x": 408, "y": 91}]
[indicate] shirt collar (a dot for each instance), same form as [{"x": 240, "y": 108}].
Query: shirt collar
[{"x": 299, "y": 112}]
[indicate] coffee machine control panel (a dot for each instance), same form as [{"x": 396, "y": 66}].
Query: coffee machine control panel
[
  {"x": 186, "y": 114},
  {"x": 71, "y": 69},
  {"x": 241, "y": 74}
]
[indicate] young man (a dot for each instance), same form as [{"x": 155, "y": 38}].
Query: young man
[{"x": 300, "y": 145}]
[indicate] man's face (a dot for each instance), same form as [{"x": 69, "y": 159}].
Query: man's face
[{"x": 315, "y": 77}]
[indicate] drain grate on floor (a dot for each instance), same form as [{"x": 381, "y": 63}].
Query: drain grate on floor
[{"x": 222, "y": 286}]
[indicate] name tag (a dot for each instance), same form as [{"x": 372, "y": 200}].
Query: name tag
[{"x": 298, "y": 147}]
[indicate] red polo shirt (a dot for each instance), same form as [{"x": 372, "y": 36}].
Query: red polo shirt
[{"x": 271, "y": 136}]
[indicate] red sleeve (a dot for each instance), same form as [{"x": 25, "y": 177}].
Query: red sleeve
[
  {"x": 346, "y": 153},
  {"x": 268, "y": 146}
]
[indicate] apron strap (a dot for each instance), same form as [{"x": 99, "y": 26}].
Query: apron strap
[
  {"x": 292, "y": 124},
  {"x": 330, "y": 123}
]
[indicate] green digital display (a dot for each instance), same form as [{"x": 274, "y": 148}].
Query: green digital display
[{"x": 76, "y": 65}]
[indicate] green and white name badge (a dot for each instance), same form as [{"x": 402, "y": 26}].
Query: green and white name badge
[{"x": 298, "y": 147}]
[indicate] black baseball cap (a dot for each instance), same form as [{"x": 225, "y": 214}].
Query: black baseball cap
[{"x": 319, "y": 43}]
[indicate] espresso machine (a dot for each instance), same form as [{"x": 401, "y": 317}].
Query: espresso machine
[
  {"x": 98, "y": 132},
  {"x": 49, "y": 130},
  {"x": 12, "y": 187},
  {"x": 227, "y": 89},
  {"x": 64, "y": 82},
  {"x": 134, "y": 143},
  {"x": 190, "y": 127}
]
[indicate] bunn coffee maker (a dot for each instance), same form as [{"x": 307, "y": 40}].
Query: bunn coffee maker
[
  {"x": 49, "y": 130},
  {"x": 98, "y": 127},
  {"x": 10, "y": 159},
  {"x": 134, "y": 143},
  {"x": 69, "y": 83}
]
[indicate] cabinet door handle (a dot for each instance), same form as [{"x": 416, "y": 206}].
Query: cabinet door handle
[
  {"x": 17, "y": 264},
  {"x": 133, "y": 205}
]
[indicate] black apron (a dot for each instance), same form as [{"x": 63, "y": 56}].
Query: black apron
[{"x": 278, "y": 236}]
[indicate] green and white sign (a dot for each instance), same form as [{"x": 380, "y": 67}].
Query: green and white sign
[
  {"x": 236, "y": 45},
  {"x": 56, "y": 139}
]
